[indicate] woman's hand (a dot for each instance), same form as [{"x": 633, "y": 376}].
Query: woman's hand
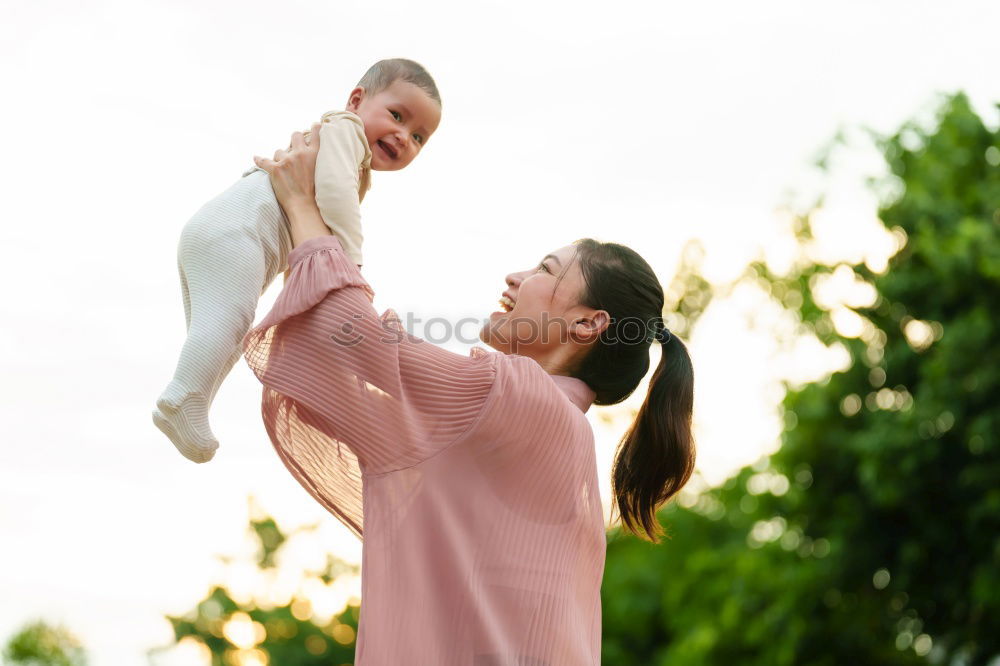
[
  {"x": 293, "y": 171},
  {"x": 293, "y": 177}
]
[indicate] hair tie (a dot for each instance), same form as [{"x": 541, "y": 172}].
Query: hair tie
[{"x": 662, "y": 334}]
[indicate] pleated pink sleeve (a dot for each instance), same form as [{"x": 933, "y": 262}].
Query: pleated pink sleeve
[{"x": 348, "y": 391}]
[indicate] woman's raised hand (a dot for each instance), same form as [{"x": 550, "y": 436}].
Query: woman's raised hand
[
  {"x": 293, "y": 171},
  {"x": 293, "y": 175}
]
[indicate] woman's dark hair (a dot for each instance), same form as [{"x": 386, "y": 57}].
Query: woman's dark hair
[{"x": 655, "y": 457}]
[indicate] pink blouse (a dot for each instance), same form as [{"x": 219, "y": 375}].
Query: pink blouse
[{"x": 476, "y": 477}]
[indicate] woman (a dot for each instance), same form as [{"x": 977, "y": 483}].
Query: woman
[{"x": 484, "y": 536}]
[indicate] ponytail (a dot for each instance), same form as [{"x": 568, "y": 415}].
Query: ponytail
[{"x": 656, "y": 455}]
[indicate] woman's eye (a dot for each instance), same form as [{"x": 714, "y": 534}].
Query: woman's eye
[
  {"x": 543, "y": 267},
  {"x": 395, "y": 114}
]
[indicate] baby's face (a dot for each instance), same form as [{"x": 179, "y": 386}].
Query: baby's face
[{"x": 398, "y": 122}]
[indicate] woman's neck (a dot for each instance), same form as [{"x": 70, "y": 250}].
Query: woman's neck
[{"x": 560, "y": 359}]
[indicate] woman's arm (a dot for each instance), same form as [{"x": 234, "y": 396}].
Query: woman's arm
[
  {"x": 293, "y": 177},
  {"x": 344, "y": 388}
]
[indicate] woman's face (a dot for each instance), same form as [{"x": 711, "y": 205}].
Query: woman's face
[{"x": 543, "y": 315}]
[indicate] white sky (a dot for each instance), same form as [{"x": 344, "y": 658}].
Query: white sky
[{"x": 647, "y": 125}]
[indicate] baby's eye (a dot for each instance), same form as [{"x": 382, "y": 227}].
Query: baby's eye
[
  {"x": 419, "y": 139},
  {"x": 395, "y": 114}
]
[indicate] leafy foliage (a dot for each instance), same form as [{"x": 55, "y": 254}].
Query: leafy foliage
[
  {"x": 873, "y": 535},
  {"x": 286, "y": 634},
  {"x": 40, "y": 644}
]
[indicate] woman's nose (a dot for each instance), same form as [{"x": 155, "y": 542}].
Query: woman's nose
[{"x": 513, "y": 279}]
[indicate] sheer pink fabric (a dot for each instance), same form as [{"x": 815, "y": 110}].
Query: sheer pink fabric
[{"x": 473, "y": 479}]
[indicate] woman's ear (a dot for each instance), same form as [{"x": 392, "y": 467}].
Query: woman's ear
[
  {"x": 590, "y": 328},
  {"x": 354, "y": 100}
]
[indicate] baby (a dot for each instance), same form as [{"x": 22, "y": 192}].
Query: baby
[{"x": 237, "y": 243}]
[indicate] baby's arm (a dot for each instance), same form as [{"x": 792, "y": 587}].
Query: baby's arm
[{"x": 343, "y": 150}]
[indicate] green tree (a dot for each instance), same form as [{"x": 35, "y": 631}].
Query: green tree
[
  {"x": 40, "y": 644},
  {"x": 287, "y": 634},
  {"x": 873, "y": 535}
]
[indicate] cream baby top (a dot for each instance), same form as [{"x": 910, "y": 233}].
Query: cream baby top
[{"x": 343, "y": 176}]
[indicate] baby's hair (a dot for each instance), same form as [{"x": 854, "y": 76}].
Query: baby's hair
[{"x": 382, "y": 74}]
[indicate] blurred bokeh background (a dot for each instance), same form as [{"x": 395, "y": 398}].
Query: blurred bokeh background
[{"x": 816, "y": 184}]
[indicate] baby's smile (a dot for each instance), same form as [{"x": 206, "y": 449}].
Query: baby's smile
[{"x": 387, "y": 149}]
